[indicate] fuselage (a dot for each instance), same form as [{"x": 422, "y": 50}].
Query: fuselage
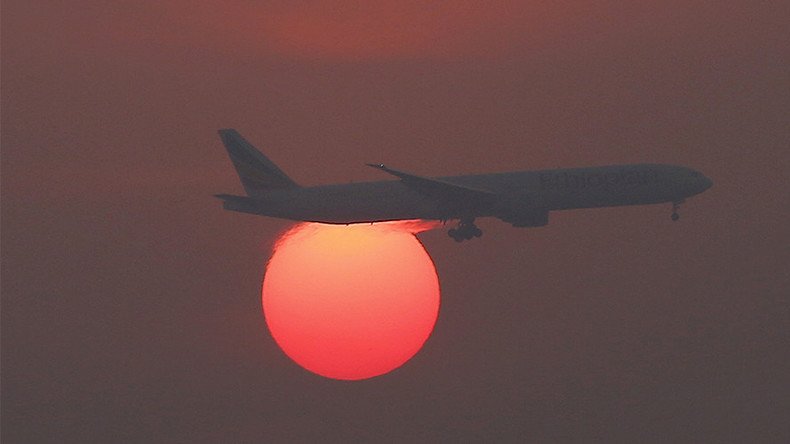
[{"x": 516, "y": 195}]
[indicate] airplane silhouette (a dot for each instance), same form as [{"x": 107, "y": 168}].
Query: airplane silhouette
[{"x": 523, "y": 199}]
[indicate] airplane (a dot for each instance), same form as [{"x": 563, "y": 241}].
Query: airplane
[{"x": 523, "y": 199}]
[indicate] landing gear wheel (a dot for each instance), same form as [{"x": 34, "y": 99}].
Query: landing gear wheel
[
  {"x": 466, "y": 230},
  {"x": 675, "y": 217}
]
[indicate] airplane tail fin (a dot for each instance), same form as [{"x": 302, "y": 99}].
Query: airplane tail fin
[{"x": 258, "y": 174}]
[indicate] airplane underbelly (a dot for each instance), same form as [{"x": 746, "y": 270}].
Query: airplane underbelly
[
  {"x": 386, "y": 203},
  {"x": 602, "y": 197}
]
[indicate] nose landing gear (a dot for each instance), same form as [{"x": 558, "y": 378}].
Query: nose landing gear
[
  {"x": 466, "y": 230},
  {"x": 675, "y": 207}
]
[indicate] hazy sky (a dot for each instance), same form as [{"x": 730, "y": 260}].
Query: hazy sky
[{"x": 130, "y": 300}]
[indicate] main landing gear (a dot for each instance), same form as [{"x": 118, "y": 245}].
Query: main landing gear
[
  {"x": 466, "y": 230},
  {"x": 675, "y": 207}
]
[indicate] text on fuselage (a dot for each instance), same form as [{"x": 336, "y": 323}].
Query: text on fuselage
[{"x": 613, "y": 179}]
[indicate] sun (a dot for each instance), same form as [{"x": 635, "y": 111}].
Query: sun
[{"x": 350, "y": 301}]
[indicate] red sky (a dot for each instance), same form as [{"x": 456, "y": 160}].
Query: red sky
[{"x": 130, "y": 301}]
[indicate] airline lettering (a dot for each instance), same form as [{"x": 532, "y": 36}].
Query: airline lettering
[{"x": 618, "y": 179}]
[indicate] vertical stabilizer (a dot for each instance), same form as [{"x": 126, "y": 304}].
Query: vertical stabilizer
[{"x": 257, "y": 173}]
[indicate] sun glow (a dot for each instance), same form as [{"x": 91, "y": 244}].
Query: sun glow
[{"x": 351, "y": 302}]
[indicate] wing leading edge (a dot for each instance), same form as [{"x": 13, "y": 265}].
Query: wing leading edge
[{"x": 447, "y": 193}]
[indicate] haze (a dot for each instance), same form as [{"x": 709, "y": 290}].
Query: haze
[{"x": 130, "y": 299}]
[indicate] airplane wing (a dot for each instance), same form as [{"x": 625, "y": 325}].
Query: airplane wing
[{"x": 443, "y": 191}]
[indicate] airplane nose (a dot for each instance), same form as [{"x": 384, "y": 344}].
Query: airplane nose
[{"x": 706, "y": 183}]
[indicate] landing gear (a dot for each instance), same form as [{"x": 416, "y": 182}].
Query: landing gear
[
  {"x": 675, "y": 215},
  {"x": 466, "y": 230}
]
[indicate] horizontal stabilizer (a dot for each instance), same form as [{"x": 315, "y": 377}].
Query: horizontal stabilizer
[{"x": 241, "y": 204}]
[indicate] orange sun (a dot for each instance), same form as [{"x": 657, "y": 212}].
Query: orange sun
[{"x": 351, "y": 301}]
